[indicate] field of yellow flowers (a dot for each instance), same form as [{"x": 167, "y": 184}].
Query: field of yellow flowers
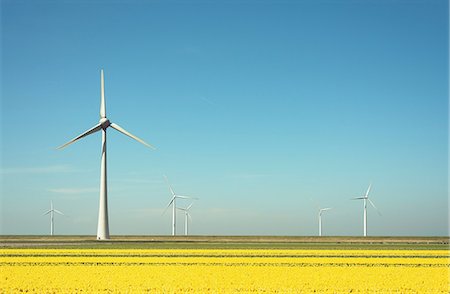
[{"x": 223, "y": 271}]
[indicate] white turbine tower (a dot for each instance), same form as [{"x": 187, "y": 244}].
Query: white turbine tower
[
  {"x": 52, "y": 211},
  {"x": 186, "y": 216},
  {"x": 321, "y": 210},
  {"x": 366, "y": 199},
  {"x": 174, "y": 206},
  {"x": 104, "y": 123}
]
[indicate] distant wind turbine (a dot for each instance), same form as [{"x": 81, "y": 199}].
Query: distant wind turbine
[
  {"x": 186, "y": 216},
  {"x": 52, "y": 211},
  {"x": 366, "y": 198},
  {"x": 321, "y": 210},
  {"x": 104, "y": 123},
  {"x": 173, "y": 203}
]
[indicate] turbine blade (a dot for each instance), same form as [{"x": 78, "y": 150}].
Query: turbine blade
[
  {"x": 185, "y": 197},
  {"x": 189, "y": 216},
  {"x": 371, "y": 203},
  {"x": 168, "y": 184},
  {"x": 358, "y": 198},
  {"x": 47, "y": 212},
  {"x": 189, "y": 207},
  {"x": 120, "y": 129},
  {"x": 102, "y": 96},
  {"x": 168, "y": 205},
  {"x": 92, "y": 130},
  {"x": 368, "y": 190},
  {"x": 57, "y": 211}
]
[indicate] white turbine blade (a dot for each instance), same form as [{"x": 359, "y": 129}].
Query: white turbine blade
[
  {"x": 189, "y": 207},
  {"x": 120, "y": 129},
  {"x": 328, "y": 208},
  {"x": 168, "y": 184},
  {"x": 168, "y": 205},
  {"x": 185, "y": 197},
  {"x": 371, "y": 203},
  {"x": 358, "y": 198},
  {"x": 57, "y": 211},
  {"x": 182, "y": 209},
  {"x": 189, "y": 216},
  {"x": 368, "y": 190},
  {"x": 92, "y": 130},
  {"x": 102, "y": 96},
  {"x": 47, "y": 212}
]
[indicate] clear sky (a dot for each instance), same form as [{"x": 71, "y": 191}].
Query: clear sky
[{"x": 262, "y": 109}]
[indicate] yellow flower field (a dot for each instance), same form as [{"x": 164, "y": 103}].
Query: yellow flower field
[{"x": 223, "y": 271}]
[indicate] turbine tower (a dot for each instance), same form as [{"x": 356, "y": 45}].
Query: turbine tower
[
  {"x": 52, "y": 211},
  {"x": 321, "y": 210},
  {"x": 103, "y": 124},
  {"x": 366, "y": 199},
  {"x": 174, "y": 206},
  {"x": 186, "y": 216}
]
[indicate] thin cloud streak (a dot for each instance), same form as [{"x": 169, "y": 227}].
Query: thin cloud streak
[{"x": 208, "y": 101}]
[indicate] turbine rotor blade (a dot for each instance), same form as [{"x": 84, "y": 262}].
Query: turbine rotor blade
[
  {"x": 92, "y": 130},
  {"x": 358, "y": 198},
  {"x": 57, "y": 211},
  {"x": 168, "y": 205},
  {"x": 189, "y": 216},
  {"x": 371, "y": 203},
  {"x": 168, "y": 184},
  {"x": 47, "y": 212},
  {"x": 189, "y": 207},
  {"x": 120, "y": 129},
  {"x": 368, "y": 190},
  {"x": 186, "y": 197},
  {"x": 102, "y": 96}
]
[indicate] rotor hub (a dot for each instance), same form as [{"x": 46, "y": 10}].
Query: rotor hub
[{"x": 104, "y": 122}]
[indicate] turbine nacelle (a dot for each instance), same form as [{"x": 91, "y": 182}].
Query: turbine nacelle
[{"x": 321, "y": 210}]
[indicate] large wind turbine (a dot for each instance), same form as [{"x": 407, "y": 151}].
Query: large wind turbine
[
  {"x": 366, "y": 198},
  {"x": 52, "y": 211},
  {"x": 186, "y": 216},
  {"x": 321, "y": 210},
  {"x": 174, "y": 206},
  {"x": 103, "y": 124}
]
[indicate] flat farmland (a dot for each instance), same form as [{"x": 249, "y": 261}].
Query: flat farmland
[
  {"x": 225, "y": 242},
  {"x": 199, "y": 264}
]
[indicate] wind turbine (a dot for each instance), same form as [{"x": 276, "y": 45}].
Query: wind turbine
[
  {"x": 186, "y": 216},
  {"x": 52, "y": 211},
  {"x": 103, "y": 124},
  {"x": 174, "y": 206},
  {"x": 366, "y": 198},
  {"x": 321, "y": 210}
]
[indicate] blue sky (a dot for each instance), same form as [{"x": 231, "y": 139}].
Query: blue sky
[{"x": 262, "y": 109}]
